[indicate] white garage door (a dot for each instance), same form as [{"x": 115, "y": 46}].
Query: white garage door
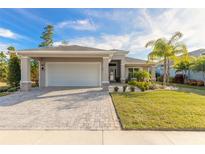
[{"x": 73, "y": 74}]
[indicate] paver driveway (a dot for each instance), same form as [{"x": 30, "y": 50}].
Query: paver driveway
[{"x": 58, "y": 108}]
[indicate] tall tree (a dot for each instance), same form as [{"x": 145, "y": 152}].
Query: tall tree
[
  {"x": 47, "y": 36},
  {"x": 3, "y": 67},
  {"x": 166, "y": 50},
  {"x": 14, "y": 70},
  {"x": 199, "y": 66}
]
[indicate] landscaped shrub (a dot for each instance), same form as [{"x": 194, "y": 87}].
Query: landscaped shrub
[
  {"x": 4, "y": 89},
  {"x": 132, "y": 88},
  {"x": 179, "y": 78},
  {"x": 195, "y": 82},
  {"x": 142, "y": 76},
  {"x": 192, "y": 82},
  {"x": 13, "y": 89},
  {"x": 141, "y": 85},
  {"x": 160, "y": 78},
  {"x": 200, "y": 83},
  {"x": 171, "y": 79},
  {"x": 124, "y": 88},
  {"x": 14, "y": 71},
  {"x": 132, "y": 82},
  {"x": 116, "y": 89}
]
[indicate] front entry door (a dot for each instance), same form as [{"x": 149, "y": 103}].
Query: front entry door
[{"x": 112, "y": 73}]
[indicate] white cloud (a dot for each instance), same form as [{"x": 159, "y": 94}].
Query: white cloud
[
  {"x": 8, "y": 33},
  {"x": 145, "y": 25},
  {"x": 3, "y": 46},
  {"x": 84, "y": 24}
]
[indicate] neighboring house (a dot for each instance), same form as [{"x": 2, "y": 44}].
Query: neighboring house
[
  {"x": 79, "y": 66},
  {"x": 191, "y": 75}
]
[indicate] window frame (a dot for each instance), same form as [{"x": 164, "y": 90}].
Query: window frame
[{"x": 132, "y": 72}]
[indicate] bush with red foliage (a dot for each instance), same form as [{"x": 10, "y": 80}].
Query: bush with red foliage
[
  {"x": 178, "y": 78},
  {"x": 200, "y": 83}
]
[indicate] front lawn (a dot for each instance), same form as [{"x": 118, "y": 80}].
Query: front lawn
[{"x": 160, "y": 110}]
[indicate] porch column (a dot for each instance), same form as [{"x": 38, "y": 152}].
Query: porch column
[
  {"x": 25, "y": 83},
  {"x": 122, "y": 71},
  {"x": 153, "y": 73},
  {"x": 105, "y": 71},
  {"x": 42, "y": 74}
]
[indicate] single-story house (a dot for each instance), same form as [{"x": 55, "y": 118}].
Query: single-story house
[{"x": 75, "y": 65}]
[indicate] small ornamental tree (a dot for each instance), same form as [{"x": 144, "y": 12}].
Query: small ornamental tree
[
  {"x": 142, "y": 76},
  {"x": 199, "y": 66},
  {"x": 14, "y": 70},
  {"x": 183, "y": 64},
  {"x": 3, "y": 67}
]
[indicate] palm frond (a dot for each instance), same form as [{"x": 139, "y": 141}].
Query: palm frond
[
  {"x": 180, "y": 48},
  {"x": 175, "y": 37},
  {"x": 150, "y": 43}
]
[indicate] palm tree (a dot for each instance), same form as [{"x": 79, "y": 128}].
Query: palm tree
[{"x": 166, "y": 50}]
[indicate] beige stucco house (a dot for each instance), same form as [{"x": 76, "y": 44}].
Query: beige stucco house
[{"x": 79, "y": 66}]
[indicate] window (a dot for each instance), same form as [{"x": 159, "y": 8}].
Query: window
[{"x": 131, "y": 72}]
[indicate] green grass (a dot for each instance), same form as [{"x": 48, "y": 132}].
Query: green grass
[{"x": 160, "y": 110}]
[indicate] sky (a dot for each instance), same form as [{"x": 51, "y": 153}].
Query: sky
[{"x": 125, "y": 29}]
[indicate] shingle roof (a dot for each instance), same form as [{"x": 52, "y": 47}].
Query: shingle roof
[
  {"x": 68, "y": 48},
  {"x": 134, "y": 60},
  {"x": 197, "y": 53}
]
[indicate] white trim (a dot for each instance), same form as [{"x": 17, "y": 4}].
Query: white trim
[
  {"x": 46, "y": 66},
  {"x": 25, "y": 81},
  {"x": 39, "y": 52},
  {"x": 104, "y": 82}
]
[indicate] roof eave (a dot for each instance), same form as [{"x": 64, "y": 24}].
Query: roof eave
[{"x": 37, "y": 52}]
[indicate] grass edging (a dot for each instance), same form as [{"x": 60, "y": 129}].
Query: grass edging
[{"x": 121, "y": 126}]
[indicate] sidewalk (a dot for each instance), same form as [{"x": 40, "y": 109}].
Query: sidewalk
[{"x": 101, "y": 137}]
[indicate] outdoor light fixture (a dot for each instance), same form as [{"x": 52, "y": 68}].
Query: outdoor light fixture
[{"x": 42, "y": 67}]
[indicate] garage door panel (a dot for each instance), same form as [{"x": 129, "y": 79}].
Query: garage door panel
[{"x": 72, "y": 74}]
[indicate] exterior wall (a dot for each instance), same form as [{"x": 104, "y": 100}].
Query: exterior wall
[
  {"x": 104, "y": 66},
  {"x": 42, "y": 68},
  {"x": 105, "y": 71},
  {"x": 25, "y": 82}
]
